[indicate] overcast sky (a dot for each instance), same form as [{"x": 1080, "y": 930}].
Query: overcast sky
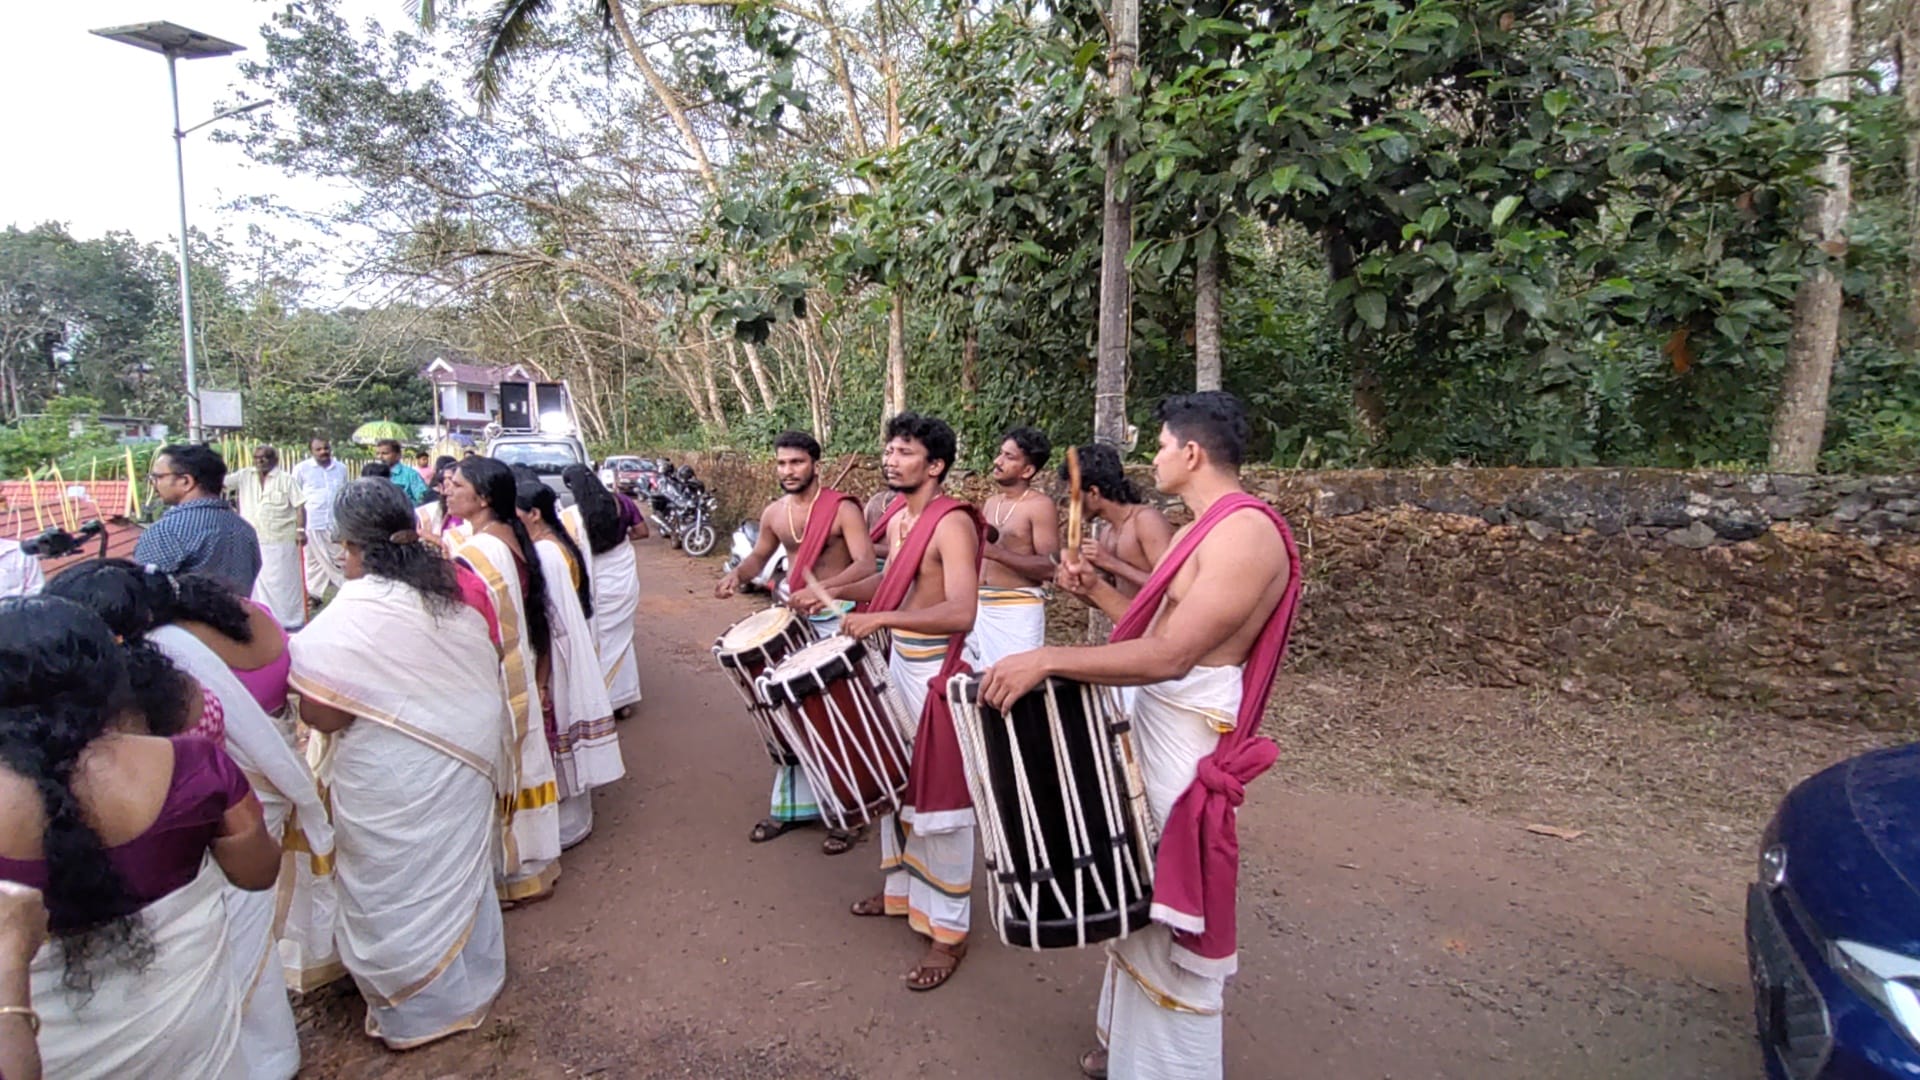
[{"x": 88, "y": 125}]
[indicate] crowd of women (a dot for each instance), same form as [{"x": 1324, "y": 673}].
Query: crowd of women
[{"x": 211, "y": 809}]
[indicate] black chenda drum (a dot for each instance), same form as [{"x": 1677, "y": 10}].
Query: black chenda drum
[{"x": 1062, "y": 811}]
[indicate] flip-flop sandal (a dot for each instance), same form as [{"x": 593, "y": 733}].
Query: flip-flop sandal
[
  {"x": 768, "y": 828},
  {"x": 937, "y": 972},
  {"x": 1093, "y": 1064},
  {"x": 871, "y": 907},
  {"x": 839, "y": 841}
]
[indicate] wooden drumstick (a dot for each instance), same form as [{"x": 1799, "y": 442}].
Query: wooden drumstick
[
  {"x": 819, "y": 590},
  {"x": 852, "y": 459},
  {"x": 1074, "y": 505}
]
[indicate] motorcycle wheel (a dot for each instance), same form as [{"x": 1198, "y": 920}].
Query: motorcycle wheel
[{"x": 699, "y": 540}]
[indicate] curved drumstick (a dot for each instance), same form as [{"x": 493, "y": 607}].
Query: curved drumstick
[
  {"x": 819, "y": 591},
  {"x": 1074, "y": 506}
]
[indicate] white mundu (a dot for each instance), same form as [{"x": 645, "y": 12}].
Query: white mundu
[
  {"x": 1008, "y": 621},
  {"x": 415, "y": 782},
  {"x": 263, "y": 748},
  {"x": 530, "y": 864},
  {"x": 928, "y": 859},
  {"x": 177, "y": 1018},
  {"x": 1159, "y": 1020},
  {"x": 616, "y": 603},
  {"x": 587, "y": 751}
]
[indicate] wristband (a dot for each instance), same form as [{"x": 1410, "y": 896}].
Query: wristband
[{"x": 33, "y": 1018}]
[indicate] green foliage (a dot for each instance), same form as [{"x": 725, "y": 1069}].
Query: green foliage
[{"x": 67, "y": 426}]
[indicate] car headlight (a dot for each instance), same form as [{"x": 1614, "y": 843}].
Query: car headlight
[
  {"x": 1891, "y": 980},
  {"x": 1773, "y": 866}
]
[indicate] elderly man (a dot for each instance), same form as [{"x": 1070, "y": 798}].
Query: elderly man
[
  {"x": 274, "y": 503},
  {"x": 200, "y": 533},
  {"x": 321, "y": 477},
  {"x": 403, "y": 475}
]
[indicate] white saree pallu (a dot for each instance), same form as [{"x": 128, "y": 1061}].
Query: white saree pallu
[
  {"x": 1007, "y": 621},
  {"x": 326, "y": 563},
  {"x": 262, "y": 746},
  {"x": 530, "y": 831},
  {"x": 616, "y": 604},
  {"x": 587, "y": 749},
  {"x": 282, "y": 586},
  {"x": 415, "y": 784},
  {"x": 1159, "y": 1020},
  {"x": 929, "y": 875},
  {"x": 179, "y": 1018}
]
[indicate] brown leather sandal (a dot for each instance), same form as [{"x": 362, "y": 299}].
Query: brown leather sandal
[
  {"x": 937, "y": 966},
  {"x": 872, "y": 906},
  {"x": 1093, "y": 1063}
]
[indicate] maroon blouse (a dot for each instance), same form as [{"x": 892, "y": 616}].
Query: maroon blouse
[{"x": 167, "y": 856}]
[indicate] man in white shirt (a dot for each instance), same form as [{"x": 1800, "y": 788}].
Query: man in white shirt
[
  {"x": 320, "y": 478},
  {"x": 272, "y": 501},
  {"x": 19, "y": 572}
]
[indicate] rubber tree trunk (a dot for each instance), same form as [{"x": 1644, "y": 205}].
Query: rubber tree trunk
[
  {"x": 897, "y": 354},
  {"x": 1910, "y": 95},
  {"x": 1206, "y": 315},
  {"x": 970, "y": 367},
  {"x": 1368, "y": 403},
  {"x": 1116, "y": 239},
  {"x": 1800, "y": 420}
]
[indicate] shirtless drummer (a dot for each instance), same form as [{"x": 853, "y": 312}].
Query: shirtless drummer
[
  {"x": 1023, "y": 541},
  {"x": 1202, "y": 649},
  {"x": 1136, "y": 534},
  {"x": 845, "y": 556}
]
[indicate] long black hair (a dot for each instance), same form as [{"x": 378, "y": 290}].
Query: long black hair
[
  {"x": 62, "y": 677},
  {"x": 373, "y": 516},
  {"x": 134, "y": 601},
  {"x": 493, "y": 482},
  {"x": 539, "y": 498},
  {"x": 597, "y": 508},
  {"x": 441, "y": 468}
]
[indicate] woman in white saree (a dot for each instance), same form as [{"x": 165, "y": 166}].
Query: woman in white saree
[
  {"x": 480, "y": 490},
  {"x": 594, "y": 523},
  {"x": 146, "y": 607},
  {"x": 586, "y": 747},
  {"x": 132, "y": 838},
  {"x": 415, "y": 764}
]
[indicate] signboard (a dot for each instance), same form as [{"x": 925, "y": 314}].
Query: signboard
[{"x": 221, "y": 409}]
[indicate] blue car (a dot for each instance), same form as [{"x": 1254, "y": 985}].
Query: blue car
[{"x": 1833, "y": 924}]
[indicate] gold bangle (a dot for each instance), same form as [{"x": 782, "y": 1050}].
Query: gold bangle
[{"x": 33, "y": 1018}]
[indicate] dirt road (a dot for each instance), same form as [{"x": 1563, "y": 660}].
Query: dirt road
[{"x": 1380, "y": 937}]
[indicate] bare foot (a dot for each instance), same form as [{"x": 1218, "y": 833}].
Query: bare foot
[{"x": 1093, "y": 1063}]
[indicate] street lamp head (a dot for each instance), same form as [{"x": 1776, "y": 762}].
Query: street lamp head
[{"x": 170, "y": 39}]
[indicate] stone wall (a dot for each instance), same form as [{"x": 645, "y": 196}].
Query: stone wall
[{"x": 1710, "y": 593}]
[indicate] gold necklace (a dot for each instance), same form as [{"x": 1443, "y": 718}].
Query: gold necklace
[
  {"x": 1007, "y": 507},
  {"x": 792, "y": 529}
]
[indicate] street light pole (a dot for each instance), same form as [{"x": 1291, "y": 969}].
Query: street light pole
[
  {"x": 186, "y": 289},
  {"x": 178, "y": 43}
]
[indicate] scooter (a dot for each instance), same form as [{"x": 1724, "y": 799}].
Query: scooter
[{"x": 744, "y": 539}]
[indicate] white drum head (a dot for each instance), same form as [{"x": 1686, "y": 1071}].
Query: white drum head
[
  {"x": 811, "y": 657},
  {"x": 757, "y": 629}
]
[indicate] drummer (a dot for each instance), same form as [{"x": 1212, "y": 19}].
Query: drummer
[
  {"x": 825, "y": 537},
  {"x": 1022, "y": 548},
  {"x": 1204, "y": 662}
]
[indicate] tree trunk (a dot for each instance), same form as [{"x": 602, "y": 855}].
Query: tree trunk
[
  {"x": 759, "y": 370},
  {"x": 713, "y": 391},
  {"x": 1206, "y": 315},
  {"x": 617, "y": 15},
  {"x": 970, "y": 366},
  {"x": 1368, "y": 404},
  {"x": 1909, "y": 55},
  {"x": 897, "y": 354},
  {"x": 1116, "y": 239},
  {"x": 1800, "y": 420}
]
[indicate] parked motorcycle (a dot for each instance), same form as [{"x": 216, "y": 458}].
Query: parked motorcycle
[{"x": 683, "y": 511}]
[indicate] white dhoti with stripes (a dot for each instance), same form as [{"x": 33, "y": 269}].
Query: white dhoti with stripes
[
  {"x": 929, "y": 874},
  {"x": 1160, "y": 1019},
  {"x": 1007, "y": 622}
]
